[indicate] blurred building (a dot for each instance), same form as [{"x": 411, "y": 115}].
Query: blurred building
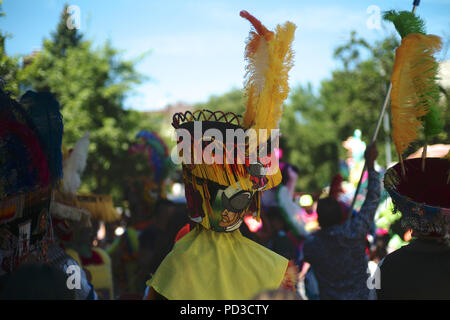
[{"x": 444, "y": 74}]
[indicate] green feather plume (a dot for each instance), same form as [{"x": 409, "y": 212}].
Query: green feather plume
[{"x": 405, "y": 22}]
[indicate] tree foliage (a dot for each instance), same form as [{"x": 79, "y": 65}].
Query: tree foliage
[
  {"x": 314, "y": 125},
  {"x": 231, "y": 101},
  {"x": 9, "y": 66},
  {"x": 91, "y": 85}
]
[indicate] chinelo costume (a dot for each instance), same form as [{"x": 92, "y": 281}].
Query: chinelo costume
[
  {"x": 419, "y": 188},
  {"x": 421, "y": 269},
  {"x": 30, "y": 167},
  {"x": 423, "y": 198},
  {"x": 214, "y": 261}
]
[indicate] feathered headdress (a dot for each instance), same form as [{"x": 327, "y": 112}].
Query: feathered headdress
[
  {"x": 415, "y": 93},
  {"x": 23, "y": 160},
  {"x": 269, "y": 56},
  {"x": 75, "y": 164},
  {"x": 154, "y": 147},
  {"x": 44, "y": 110}
]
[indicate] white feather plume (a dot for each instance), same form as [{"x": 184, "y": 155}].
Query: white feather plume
[
  {"x": 257, "y": 68},
  {"x": 75, "y": 164}
]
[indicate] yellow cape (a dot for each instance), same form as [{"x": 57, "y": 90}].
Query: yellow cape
[{"x": 209, "y": 265}]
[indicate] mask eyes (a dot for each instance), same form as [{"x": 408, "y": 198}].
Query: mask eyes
[
  {"x": 257, "y": 176},
  {"x": 238, "y": 202},
  {"x": 256, "y": 170}
]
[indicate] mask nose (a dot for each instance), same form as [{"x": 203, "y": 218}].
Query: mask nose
[{"x": 259, "y": 183}]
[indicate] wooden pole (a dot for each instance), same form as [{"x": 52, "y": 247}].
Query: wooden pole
[
  {"x": 424, "y": 155},
  {"x": 374, "y": 138},
  {"x": 402, "y": 164}
]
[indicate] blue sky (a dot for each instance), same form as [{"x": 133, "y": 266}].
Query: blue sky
[{"x": 197, "y": 47}]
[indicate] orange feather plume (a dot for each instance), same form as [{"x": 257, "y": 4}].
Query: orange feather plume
[
  {"x": 269, "y": 56},
  {"x": 412, "y": 77}
]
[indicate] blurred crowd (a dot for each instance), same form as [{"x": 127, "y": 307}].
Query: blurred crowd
[
  {"x": 57, "y": 243},
  {"x": 334, "y": 252}
]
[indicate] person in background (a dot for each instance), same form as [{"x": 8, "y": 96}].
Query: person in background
[
  {"x": 289, "y": 210},
  {"x": 158, "y": 239},
  {"x": 94, "y": 260},
  {"x": 420, "y": 269},
  {"x": 377, "y": 251},
  {"x": 135, "y": 253},
  {"x": 337, "y": 250},
  {"x": 278, "y": 241},
  {"x": 309, "y": 212}
]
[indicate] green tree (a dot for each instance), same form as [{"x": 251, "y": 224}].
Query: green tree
[
  {"x": 9, "y": 66},
  {"x": 316, "y": 126},
  {"x": 444, "y": 136},
  {"x": 91, "y": 85},
  {"x": 231, "y": 101},
  {"x": 64, "y": 37},
  {"x": 308, "y": 139}
]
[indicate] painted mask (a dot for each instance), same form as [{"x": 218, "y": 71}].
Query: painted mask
[{"x": 225, "y": 185}]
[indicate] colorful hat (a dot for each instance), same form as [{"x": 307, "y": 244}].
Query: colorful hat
[
  {"x": 65, "y": 205},
  {"x": 25, "y": 176},
  {"x": 44, "y": 110},
  {"x": 423, "y": 197},
  {"x": 155, "y": 150},
  {"x": 69, "y": 205},
  {"x": 23, "y": 161},
  {"x": 418, "y": 187},
  {"x": 224, "y": 173}
]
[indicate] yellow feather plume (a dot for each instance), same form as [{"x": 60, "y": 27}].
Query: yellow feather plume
[
  {"x": 269, "y": 56},
  {"x": 411, "y": 80}
]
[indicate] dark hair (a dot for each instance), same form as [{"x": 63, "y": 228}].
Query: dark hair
[
  {"x": 380, "y": 248},
  {"x": 285, "y": 173},
  {"x": 398, "y": 228},
  {"x": 36, "y": 282},
  {"x": 329, "y": 212},
  {"x": 162, "y": 204},
  {"x": 274, "y": 214},
  {"x": 159, "y": 239}
]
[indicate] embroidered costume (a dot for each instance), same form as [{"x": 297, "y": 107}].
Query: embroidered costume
[
  {"x": 30, "y": 165},
  {"x": 419, "y": 188},
  {"x": 214, "y": 260}
]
